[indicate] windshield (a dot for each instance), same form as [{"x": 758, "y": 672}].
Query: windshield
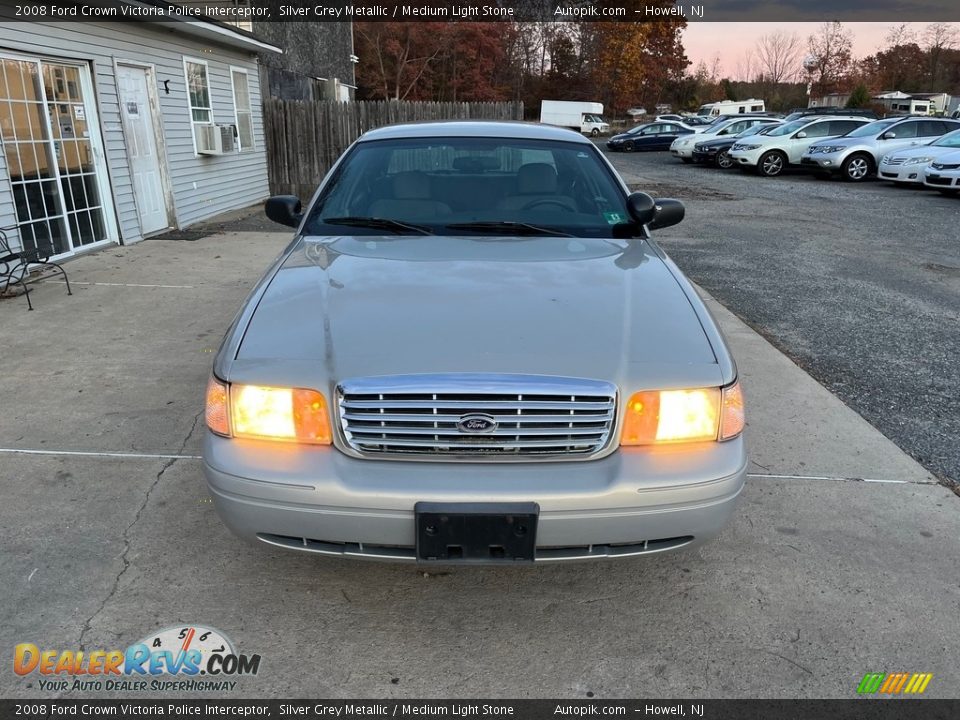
[
  {"x": 757, "y": 129},
  {"x": 427, "y": 185},
  {"x": 874, "y": 128},
  {"x": 790, "y": 127},
  {"x": 950, "y": 140}
]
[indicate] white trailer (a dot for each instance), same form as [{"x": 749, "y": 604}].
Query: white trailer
[
  {"x": 731, "y": 107},
  {"x": 587, "y": 117}
]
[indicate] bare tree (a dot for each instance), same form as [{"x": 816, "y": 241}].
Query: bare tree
[
  {"x": 899, "y": 35},
  {"x": 830, "y": 56},
  {"x": 746, "y": 67},
  {"x": 938, "y": 37},
  {"x": 778, "y": 56}
]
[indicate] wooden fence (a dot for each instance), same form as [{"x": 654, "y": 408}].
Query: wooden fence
[{"x": 305, "y": 138}]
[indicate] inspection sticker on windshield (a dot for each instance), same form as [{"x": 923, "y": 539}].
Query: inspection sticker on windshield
[{"x": 614, "y": 217}]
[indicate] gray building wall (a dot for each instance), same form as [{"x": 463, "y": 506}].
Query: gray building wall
[{"x": 203, "y": 186}]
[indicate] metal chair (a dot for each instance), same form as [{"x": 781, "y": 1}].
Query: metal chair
[{"x": 15, "y": 264}]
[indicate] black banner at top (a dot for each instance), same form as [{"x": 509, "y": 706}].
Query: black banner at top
[
  {"x": 244, "y": 11},
  {"x": 488, "y": 709}
]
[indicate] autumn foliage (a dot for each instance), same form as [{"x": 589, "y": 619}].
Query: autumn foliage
[{"x": 622, "y": 64}]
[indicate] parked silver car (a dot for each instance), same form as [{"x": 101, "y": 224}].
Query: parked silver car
[
  {"x": 943, "y": 174},
  {"x": 906, "y": 166},
  {"x": 857, "y": 154},
  {"x": 472, "y": 351}
]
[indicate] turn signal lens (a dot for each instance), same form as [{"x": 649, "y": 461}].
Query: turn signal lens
[
  {"x": 732, "y": 418},
  {"x": 217, "y": 413},
  {"x": 280, "y": 414},
  {"x": 671, "y": 416}
]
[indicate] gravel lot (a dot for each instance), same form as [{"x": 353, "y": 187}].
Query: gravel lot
[{"x": 859, "y": 284}]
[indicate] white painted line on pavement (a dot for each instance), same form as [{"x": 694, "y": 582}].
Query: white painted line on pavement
[
  {"x": 138, "y": 285},
  {"x": 147, "y": 456},
  {"x": 837, "y": 478}
]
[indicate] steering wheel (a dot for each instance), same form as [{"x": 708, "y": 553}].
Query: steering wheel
[{"x": 546, "y": 201}]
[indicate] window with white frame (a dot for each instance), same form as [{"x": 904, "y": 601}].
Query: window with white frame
[
  {"x": 241, "y": 106},
  {"x": 198, "y": 93}
]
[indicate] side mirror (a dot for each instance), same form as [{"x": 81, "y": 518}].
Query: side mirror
[
  {"x": 284, "y": 209},
  {"x": 644, "y": 210},
  {"x": 800, "y": 134},
  {"x": 668, "y": 212},
  {"x": 890, "y": 135}
]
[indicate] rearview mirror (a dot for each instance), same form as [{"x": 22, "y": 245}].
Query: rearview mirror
[
  {"x": 890, "y": 135},
  {"x": 284, "y": 209},
  {"x": 800, "y": 134},
  {"x": 644, "y": 210}
]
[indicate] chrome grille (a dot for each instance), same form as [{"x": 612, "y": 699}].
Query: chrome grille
[
  {"x": 522, "y": 416},
  {"x": 894, "y": 160}
]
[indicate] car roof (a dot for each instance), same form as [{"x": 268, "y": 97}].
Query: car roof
[{"x": 476, "y": 129}]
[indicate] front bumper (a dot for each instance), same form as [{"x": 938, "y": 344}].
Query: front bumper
[
  {"x": 708, "y": 155},
  {"x": 747, "y": 158},
  {"x": 901, "y": 173},
  {"x": 823, "y": 161},
  {"x": 317, "y": 499},
  {"x": 686, "y": 151},
  {"x": 942, "y": 179}
]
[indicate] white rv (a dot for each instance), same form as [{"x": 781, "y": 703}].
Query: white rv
[{"x": 731, "y": 107}]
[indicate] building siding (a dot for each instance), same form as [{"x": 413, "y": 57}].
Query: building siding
[{"x": 203, "y": 186}]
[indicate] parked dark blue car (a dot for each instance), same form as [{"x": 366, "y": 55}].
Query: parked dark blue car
[{"x": 651, "y": 136}]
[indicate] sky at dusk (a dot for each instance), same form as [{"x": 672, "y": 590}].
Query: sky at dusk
[{"x": 704, "y": 40}]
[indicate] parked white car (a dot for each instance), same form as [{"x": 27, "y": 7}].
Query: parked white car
[
  {"x": 906, "y": 167},
  {"x": 772, "y": 152},
  {"x": 857, "y": 155},
  {"x": 682, "y": 147},
  {"x": 943, "y": 174}
]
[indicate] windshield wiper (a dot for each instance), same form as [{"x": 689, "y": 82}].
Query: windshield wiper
[
  {"x": 378, "y": 224},
  {"x": 514, "y": 228}
]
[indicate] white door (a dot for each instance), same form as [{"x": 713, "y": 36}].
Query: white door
[{"x": 140, "y": 134}]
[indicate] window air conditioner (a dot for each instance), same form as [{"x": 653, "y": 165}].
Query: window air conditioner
[{"x": 216, "y": 139}]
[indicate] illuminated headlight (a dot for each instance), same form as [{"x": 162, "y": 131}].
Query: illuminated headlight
[
  {"x": 671, "y": 416},
  {"x": 270, "y": 413},
  {"x": 918, "y": 161}
]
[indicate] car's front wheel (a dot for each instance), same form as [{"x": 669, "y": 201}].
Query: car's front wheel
[
  {"x": 857, "y": 167},
  {"x": 595, "y": 132},
  {"x": 724, "y": 161},
  {"x": 772, "y": 163},
  {"x": 628, "y": 146}
]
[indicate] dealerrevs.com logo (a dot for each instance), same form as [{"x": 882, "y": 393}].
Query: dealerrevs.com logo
[{"x": 185, "y": 658}]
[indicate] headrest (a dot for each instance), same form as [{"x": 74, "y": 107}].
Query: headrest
[
  {"x": 411, "y": 186},
  {"x": 536, "y": 179}
]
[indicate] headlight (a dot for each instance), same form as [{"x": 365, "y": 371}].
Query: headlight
[
  {"x": 747, "y": 147},
  {"x": 918, "y": 161},
  {"x": 255, "y": 411},
  {"x": 830, "y": 148},
  {"x": 669, "y": 416},
  {"x": 699, "y": 148}
]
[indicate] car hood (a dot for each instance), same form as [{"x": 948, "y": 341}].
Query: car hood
[
  {"x": 934, "y": 151},
  {"x": 364, "y": 306},
  {"x": 951, "y": 158},
  {"x": 623, "y": 136}
]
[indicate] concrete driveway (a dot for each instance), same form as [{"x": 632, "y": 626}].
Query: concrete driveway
[{"x": 842, "y": 558}]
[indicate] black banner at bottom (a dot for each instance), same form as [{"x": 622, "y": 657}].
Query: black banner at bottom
[{"x": 858, "y": 709}]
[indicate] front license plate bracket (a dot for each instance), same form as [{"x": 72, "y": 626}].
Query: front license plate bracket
[{"x": 465, "y": 533}]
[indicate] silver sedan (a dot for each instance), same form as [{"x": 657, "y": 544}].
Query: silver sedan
[{"x": 472, "y": 351}]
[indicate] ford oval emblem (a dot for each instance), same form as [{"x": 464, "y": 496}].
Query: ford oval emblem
[{"x": 477, "y": 423}]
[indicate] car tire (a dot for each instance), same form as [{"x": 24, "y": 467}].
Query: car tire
[
  {"x": 857, "y": 167},
  {"x": 628, "y": 146},
  {"x": 772, "y": 164},
  {"x": 595, "y": 132},
  {"x": 724, "y": 161}
]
